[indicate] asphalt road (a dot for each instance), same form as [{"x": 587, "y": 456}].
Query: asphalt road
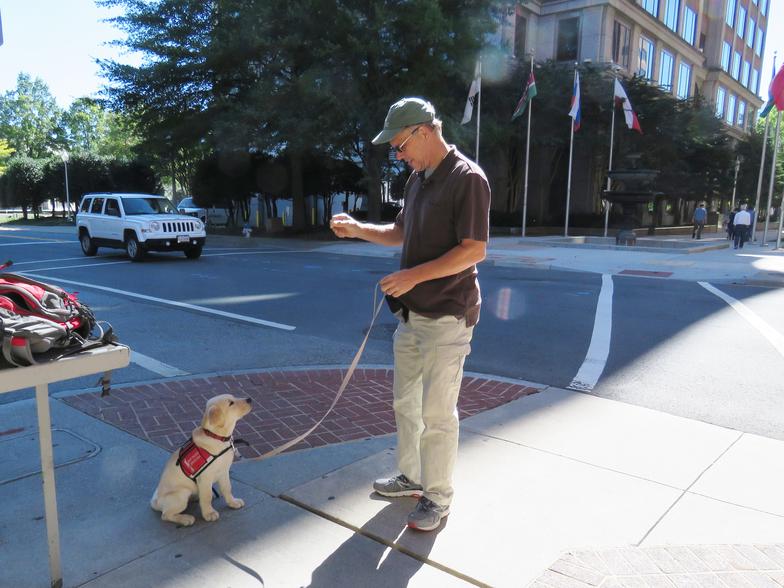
[{"x": 671, "y": 345}]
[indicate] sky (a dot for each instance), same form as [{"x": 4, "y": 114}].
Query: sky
[{"x": 58, "y": 41}]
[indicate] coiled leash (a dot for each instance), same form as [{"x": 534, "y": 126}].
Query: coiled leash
[{"x": 343, "y": 384}]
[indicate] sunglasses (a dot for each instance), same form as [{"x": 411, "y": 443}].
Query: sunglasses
[{"x": 402, "y": 147}]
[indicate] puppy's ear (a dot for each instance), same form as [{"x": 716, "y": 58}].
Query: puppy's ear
[{"x": 215, "y": 417}]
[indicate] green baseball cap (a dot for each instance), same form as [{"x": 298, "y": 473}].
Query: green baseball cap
[{"x": 405, "y": 113}]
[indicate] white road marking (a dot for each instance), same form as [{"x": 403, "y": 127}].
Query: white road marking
[
  {"x": 47, "y": 260},
  {"x": 599, "y": 349},
  {"x": 31, "y": 243},
  {"x": 231, "y": 315},
  {"x": 776, "y": 339},
  {"x": 156, "y": 366}
]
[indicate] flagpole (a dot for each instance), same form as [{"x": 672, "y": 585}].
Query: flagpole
[
  {"x": 772, "y": 179},
  {"x": 569, "y": 178},
  {"x": 609, "y": 166},
  {"x": 759, "y": 182},
  {"x": 527, "y": 156},
  {"x": 478, "y": 108}
]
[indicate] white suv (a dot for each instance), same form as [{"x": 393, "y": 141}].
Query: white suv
[{"x": 137, "y": 223}]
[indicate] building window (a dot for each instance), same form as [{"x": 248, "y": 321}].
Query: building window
[
  {"x": 744, "y": 78},
  {"x": 741, "y": 22},
  {"x": 750, "y": 32},
  {"x": 621, "y": 37},
  {"x": 646, "y": 58},
  {"x": 689, "y": 32},
  {"x": 652, "y": 6},
  {"x": 730, "y": 114},
  {"x": 729, "y": 16},
  {"x": 741, "y": 114},
  {"x": 521, "y": 25},
  {"x": 726, "y": 50},
  {"x": 684, "y": 81},
  {"x": 736, "y": 65},
  {"x": 764, "y": 7},
  {"x": 721, "y": 95},
  {"x": 754, "y": 87},
  {"x": 665, "y": 71},
  {"x": 568, "y": 38},
  {"x": 759, "y": 40},
  {"x": 671, "y": 10}
]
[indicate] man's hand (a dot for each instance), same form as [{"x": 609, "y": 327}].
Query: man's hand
[
  {"x": 398, "y": 283},
  {"x": 344, "y": 226}
]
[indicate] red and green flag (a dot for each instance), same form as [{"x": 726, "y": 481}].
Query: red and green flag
[{"x": 528, "y": 94}]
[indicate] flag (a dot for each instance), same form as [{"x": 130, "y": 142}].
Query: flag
[
  {"x": 473, "y": 92},
  {"x": 528, "y": 94},
  {"x": 575, "y": 111},
  {"x": 769, "y": 104},
  {"x": 776, "y": 90},
  {"x": 622, "y": 100}
]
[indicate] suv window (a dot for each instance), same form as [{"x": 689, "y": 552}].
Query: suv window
[
  {"x": 85, "y": 205},
  {"x": 147, "y": 206},
  {"x": 97, "y": 205},
  {"x": 112, "y": 207},
  {"x": 187, "y": 203}
]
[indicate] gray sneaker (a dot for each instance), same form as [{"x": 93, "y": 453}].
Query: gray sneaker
[
  {"x": 397, "y": 486},
  {"x": 427, "y": 515}
]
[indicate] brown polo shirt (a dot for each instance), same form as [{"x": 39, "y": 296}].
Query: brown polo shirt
[{"x": 438, "y": 213}]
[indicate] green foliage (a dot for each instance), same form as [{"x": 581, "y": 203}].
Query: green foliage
[
  {"x": 29, "y": 117},
  {"x": 5, "y": 153},
  {"x": 291, "y": 75},
  {"x": 20, "y": 185}
]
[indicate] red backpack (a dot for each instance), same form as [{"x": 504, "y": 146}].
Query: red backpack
[{"x": 41, "y": 322}]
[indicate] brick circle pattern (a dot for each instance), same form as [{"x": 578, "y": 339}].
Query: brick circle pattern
[{"x": 286, "y": 403}]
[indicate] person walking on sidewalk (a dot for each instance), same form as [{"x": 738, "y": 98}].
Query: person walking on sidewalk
[
  {"x": 699, "y": 218},
  {"x": 443, "y": 228},
  {"x": 741, "y": 222}
]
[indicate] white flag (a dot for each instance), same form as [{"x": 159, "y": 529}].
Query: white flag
[{"x": 473, "y": 92}]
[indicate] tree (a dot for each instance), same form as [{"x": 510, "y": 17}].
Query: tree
[
  {"x": 271, "y": 77},
  {"x": 5, "y": 153},
  {"x": 22, "y": 184},
  {"x": 89, "y": 127},
  {"x": 29, "y": 117}
]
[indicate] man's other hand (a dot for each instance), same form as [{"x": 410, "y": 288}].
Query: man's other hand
[
  {"x": 344, "y": 226},
  {"x": 398, "y": 283}
]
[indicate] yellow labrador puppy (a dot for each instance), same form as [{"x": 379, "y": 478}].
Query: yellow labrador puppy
[{"x": 204, "y": 460}]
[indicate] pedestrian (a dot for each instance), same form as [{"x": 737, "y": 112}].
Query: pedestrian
[
  {"x": 698, "y": 218},
  {"x": 443, "y": 228},
  {"x": 731, "y": 224},
  {"x": 741, "y": 222}
]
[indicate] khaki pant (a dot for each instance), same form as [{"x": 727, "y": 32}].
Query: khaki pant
[{"x": 429, "y": 357}]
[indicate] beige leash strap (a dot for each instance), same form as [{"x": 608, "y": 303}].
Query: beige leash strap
[{"x": 343, "y": 385}]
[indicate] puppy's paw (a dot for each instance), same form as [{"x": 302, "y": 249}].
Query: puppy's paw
[
  {"x": 211, "y": 515},
  {"x": 236, "y": 503},
  {"x": 183, "y": 520}
]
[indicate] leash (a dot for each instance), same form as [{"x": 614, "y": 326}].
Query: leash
[{"x": 343, "y": 384}]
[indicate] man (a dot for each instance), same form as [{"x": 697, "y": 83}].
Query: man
[
  {"x": 699, "y": 218},
  {"x": 444, "y": 228},
  {"x": 741, "y": 223}
]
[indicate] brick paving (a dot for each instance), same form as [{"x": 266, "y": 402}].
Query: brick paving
[
  {"x": 286, "y": 403},
  {"x": 692, "y": 566}
]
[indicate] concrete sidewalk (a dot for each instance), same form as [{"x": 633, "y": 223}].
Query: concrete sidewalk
[{"x": 553, "y": 487}]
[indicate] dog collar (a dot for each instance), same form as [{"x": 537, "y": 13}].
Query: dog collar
[{"x": 218, "y": 437}]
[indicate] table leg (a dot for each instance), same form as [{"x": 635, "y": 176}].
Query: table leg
[{"x": 47, "y": 474}]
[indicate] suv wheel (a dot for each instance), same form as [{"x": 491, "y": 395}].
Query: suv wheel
[
  {"x": 193, "y": 252},
  {"x": 133, "y": 248},
  {"x": 88, "y": 247}
]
